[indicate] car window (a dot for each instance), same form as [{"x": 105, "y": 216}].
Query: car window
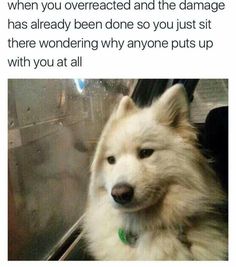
[
  {"x": 53, "y": 128},
  {"x": 209, "y": 94}
]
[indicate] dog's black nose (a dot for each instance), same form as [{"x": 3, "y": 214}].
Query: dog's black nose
[{"x": 122, "y": 193}]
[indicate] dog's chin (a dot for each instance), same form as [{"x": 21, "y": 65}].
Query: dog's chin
[{"x": 134, "y": 206}]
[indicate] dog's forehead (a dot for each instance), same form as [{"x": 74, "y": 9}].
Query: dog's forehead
[
  {"x": 133, "y": 130},
  {"x": 135, "y": 124}
]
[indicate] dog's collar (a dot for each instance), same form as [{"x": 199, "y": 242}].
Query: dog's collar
[{"x": 128, "y": 238}]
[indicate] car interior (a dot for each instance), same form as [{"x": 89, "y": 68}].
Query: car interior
[{"x": 53, "y": 128}]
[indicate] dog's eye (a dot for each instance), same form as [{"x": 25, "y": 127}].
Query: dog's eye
[
  {"x": 111, "y": 160},
  {"x": 145, "y": 153}
]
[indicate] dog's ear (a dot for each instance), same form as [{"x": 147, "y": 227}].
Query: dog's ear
[
  {"x": 172, "y": 108},
  {"x": 125, "y": 106}
]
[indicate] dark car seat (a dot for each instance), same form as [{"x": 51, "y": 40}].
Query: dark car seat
[{"x": 215, "y": 140}]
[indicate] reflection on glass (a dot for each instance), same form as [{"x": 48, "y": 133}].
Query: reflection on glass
[{"x": 53, "y": 129}]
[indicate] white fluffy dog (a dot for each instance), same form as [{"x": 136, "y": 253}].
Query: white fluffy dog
[{"x": 152, "y": 195}]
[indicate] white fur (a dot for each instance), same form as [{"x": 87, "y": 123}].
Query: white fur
[{"x": 174, "y": 187}]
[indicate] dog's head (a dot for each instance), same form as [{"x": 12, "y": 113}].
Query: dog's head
[{"x": 144, "y": 153}]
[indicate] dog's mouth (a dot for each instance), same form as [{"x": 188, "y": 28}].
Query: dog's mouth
[
  {"x": 129, "y": 207},
  {"x": 141, "y": 201}
]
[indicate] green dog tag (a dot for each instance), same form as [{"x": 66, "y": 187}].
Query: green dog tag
[
  {"x": 127, "y": 238},
  {"x": 122, "y": 236}
]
